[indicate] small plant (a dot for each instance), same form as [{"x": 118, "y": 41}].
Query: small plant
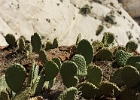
[
  {"x": 55, "y": 43},
  {"x": 48, "y": 45},
  {"x": 21, "y": 44},
  {"x": 85, "y": 10}
]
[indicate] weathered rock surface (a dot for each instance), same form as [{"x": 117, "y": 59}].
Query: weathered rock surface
[{"x": 61, "y": 18}]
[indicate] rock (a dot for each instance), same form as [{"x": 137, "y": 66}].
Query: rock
[{"x": 62, "y": 19}]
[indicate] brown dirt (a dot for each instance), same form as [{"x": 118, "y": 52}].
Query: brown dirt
[{"x": 10, "y": 56}]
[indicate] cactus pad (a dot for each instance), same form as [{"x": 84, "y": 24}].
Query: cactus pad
[
  {"x": 81, "y": 64},
  {"x": 85, "y": 48},
  {"x": 122, "y": 57},
  {"x": 68, "y": 69},
  {"x": 11, "y": 40},
  {"x": 104, "y": 54},
  {"x": 132, "y": 60},
  {"x": 55, "y": 43},
  {"x": 36, "y": 42},
  {"x": 88, "y": 90},
  {"x": 131, "y": 46},
  {"x": 51, "y": 70},
  {"x": 130, "y": 76},
  {"x": 68, "y": 94},
  {"x": 15, "y": 76},
  {"x": 58, "y": 62},
  {"x": 94, "y": 75},
  {"x": 42, "y": 56},
  {"x": 109, "y": 89}
]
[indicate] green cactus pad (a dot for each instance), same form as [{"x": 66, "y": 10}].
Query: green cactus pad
[
  {"x": 94, "y": 75},
  {"x": 11, "y": 40},
  {"x": 15, "y": 77},
  {"x": 88, "y": 90},
  {"x": 119, "y": 48},
  {"x": 38, "y": 85},
  {"x": 130, "y": 76},
  {"x": 58, "y": 62},
  {"x": 109, "y": 89},
  {"x": 55, "y": 43},
  {"x": 81, "y": 64},
  {"x": 104, "y": 54},
  {"x": 122, "y": 57},
  {"x": 68, "y": 94},
  {"x": 116, "y": 78},
  {"x": 131, "y": 46},
  {"x": 85, "y": 48},
  {"x": 21, "y": 44},
  {"x": 51, "y": 70},
  {"x": 132, "y": 60},
  {"x": 108, "y": 39},
  {"x": 36, "y": 42},
  {"x": 137, "y": 65},
  {"x": 71, "y": 81},
  {"x": 68, "y": 69},
  {"x": 34, "y": 71},
  {"x": 48, "y": 45},
  {"x": 42, "y": 56}
]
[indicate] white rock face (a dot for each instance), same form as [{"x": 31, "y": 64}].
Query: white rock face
[{"x": 61, "y": 18}]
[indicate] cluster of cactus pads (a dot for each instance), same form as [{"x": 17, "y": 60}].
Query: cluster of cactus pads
[{"x": 80, "y": 75}]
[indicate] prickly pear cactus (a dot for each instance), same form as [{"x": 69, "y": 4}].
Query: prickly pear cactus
[
  {"x": 94, "y": 75},
  {"x": 51, "y": 70},
  {"x": 88, "y": 90},
  {"x": 104, "y": 54},
  {"x": 11, "y": 40},
  {"x": 48, "y": 45},
  {"x": 36, "y": 42},
  {"x": 137, "y": 65},
  {"x": 42, "y": 56},
  {"x": 131, "y": 46},
  {"x": 21, "y": 44},
  {"x": 122, "y": 57},
  {"x": 55, "y": 43},
  {"x": 68, "y": 94},
  {"x": 85, "y": 48},
  {"x": 130, "y": 76},
  {"x": 58, "y": 62},
  {"x": 15, "y": 77},
  {"x": 81, "y": 64},
  {"x": 109, "y": 89},
  {"x": 119, "y": 48},
  {"x": 132, "y": 60},
  {"x": 28, "y": 49},
  {"x": 108, "y": 39}
]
